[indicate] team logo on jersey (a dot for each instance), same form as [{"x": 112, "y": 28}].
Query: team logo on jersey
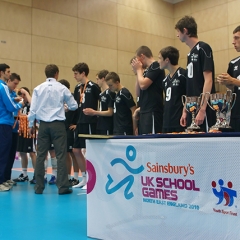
[
  {"x": 165, "y": 84},
  {"x": 235, "y": 68},
  {"x": 175, "y": 82},
  {"x": 194, "y": 57},
  {"x": 88, "y": 90},
  {"x": 118, "y": 99},
  {"x": 103, "y": 99}
]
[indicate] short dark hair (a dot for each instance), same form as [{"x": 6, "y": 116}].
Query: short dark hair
[
  {"x": 19, "y": 92},
  {"x": 145, "y": 51},
  {"x": 189, "y": 23},
  {"x": 81, "y": 67},
  {"x": 3, "y": 67},
  {"x": 102, "y": 74},
  {"x": 14, "y": 76},
  {"x": 65, "y": 83},
  {"x": 51, "y": 70},
  {"x": 171, "y": 53},
  {"x": 112, "y": 76},
  {"x": 237, "y": 29}
]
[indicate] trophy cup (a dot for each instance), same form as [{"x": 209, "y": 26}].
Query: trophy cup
[
  {"x": 193, "y": 105},
  {"x": 230, "y": 99},
  {"x": 222, "y": 104}
]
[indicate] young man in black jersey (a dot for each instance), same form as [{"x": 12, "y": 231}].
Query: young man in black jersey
[
  {"x": 174, "y": 86},
  {"x": 151, "y": 91},
  {"x": 106, "y": 102},
  {"x": 124, "y": 106},
  {"x": 200, "y": 71},
  {"x": 86, "y": 94},
  {"x": 231, "y": 80},
  {"x": 70, "y": 128}
]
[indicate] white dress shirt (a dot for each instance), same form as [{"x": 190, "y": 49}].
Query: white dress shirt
[{"x": 48, "y": 101}]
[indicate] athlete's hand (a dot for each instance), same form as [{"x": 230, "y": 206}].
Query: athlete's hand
[
  {"x": 89, "y": 111},
  {"x": 183, "y": 119},
  {"x": 136, "y": 64},
  {"x": 72, "y": 127},
  {"x": 200, "y": 117},
  {"x": 225, "y": 79},
  {"x": 18, "y": 99}
]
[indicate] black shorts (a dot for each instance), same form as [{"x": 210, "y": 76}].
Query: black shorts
[
  {"x": 70, "y": 140},
  {"x": 51, "y": 147},
  {"x": 83, "y": 128},
  {"x": 147, "y": 120},
  {"x": 26, "y": 145}
]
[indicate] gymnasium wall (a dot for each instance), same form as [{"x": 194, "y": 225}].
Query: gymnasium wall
[{"x": 105, "y": 34}]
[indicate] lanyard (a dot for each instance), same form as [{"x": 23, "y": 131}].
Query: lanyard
[{"x": 82, "y": 91}]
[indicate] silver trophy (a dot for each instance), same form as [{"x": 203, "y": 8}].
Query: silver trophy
[
  {"x": 193, "y": 105},
  {"x": 222, "y": 104}
]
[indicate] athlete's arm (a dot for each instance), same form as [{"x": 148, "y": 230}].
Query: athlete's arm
[
  {"x": 207, "y": 87},
  {"x": 134, "y": 121},
  {"x": 92, "y": 112}
]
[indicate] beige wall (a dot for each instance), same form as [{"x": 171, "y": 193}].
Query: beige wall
[{"x": 105, "y": 34}]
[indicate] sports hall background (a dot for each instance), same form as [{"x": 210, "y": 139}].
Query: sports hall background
[{"x": 106, "y": 33}]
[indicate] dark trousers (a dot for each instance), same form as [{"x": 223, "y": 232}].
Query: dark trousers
[
  {"x": 5, "y": 145},
  {"x": 11, "y": 157},
  {"x": 52, "y": 132}
]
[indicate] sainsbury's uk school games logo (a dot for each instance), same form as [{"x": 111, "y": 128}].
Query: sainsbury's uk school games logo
[
  {"x": 224, "y": 193},
  {"x": 128, "y": 181}
]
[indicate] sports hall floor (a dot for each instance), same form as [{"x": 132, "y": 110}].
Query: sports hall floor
[{"x": 25, "y": 215}]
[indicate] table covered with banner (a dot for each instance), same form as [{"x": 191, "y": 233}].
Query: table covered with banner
[{"x": 164, "y": 187}]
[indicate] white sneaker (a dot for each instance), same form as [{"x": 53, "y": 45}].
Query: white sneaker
[
  {"x": 11, "y": 182},
  {"x": 3, "y": 188},
  {"x": 84, "y": 187},
  {"x": 80, "y": 185},
  {"x": 7, "y": 185}
]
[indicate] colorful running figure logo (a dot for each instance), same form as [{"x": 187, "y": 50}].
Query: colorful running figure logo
[
  {"x": 225, "y": 193},
  {"x": 131, "y": 154}
]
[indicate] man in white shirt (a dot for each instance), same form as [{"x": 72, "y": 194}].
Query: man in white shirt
[{"x": 47, "y": 105}]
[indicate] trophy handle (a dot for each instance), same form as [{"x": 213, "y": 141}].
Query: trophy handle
[
  {"x": 207, "y": 98},
  {"x": 184, "y": 101},
  {"x": 234, "y": 97}
]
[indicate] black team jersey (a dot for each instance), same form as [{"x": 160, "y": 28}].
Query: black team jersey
[
  {"x": 122, "y": 117},
  {"x": 199, "y": 60},
  {"x": 174, "y": 88},
  {"x": 234, "y": 71},
  {"x": 106, "y": 100},
  {"x": 151, "y": 99},
  {"x": 89, "y": 100}
]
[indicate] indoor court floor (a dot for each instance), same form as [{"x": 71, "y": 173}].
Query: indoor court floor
[{"x": 25, "y": 215}]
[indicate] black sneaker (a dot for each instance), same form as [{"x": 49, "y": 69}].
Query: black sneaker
[
  {"x": 21, "y": 178},
  {"x": 75, "y": 181},
  {"x": 33, "y": 181}
]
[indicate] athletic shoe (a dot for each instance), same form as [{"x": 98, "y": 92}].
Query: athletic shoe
[
  {"x": 52, "y": 180},
  {"x": 81, "y": 184},
  {"x": 74, "y": 181},
  {"x": 33, "y": 181},
  {"x": 7, "y": 185},
  {"x": 11, "y": 182},
  {"x": 3, "y": 188},
  {"x": 21, "y": 178},
  {"x": 70, "y": 180}
]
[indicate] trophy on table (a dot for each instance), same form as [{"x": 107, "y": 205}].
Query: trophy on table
[
  {"x": 193, "y": 105},
  {"x": 222, "y": 104}
]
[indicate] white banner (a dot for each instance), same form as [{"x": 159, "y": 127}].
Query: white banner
[{"x": 163, "y": 188}]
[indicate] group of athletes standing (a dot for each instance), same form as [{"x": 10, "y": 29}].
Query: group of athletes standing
[{"x": 108, "y": 108}]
